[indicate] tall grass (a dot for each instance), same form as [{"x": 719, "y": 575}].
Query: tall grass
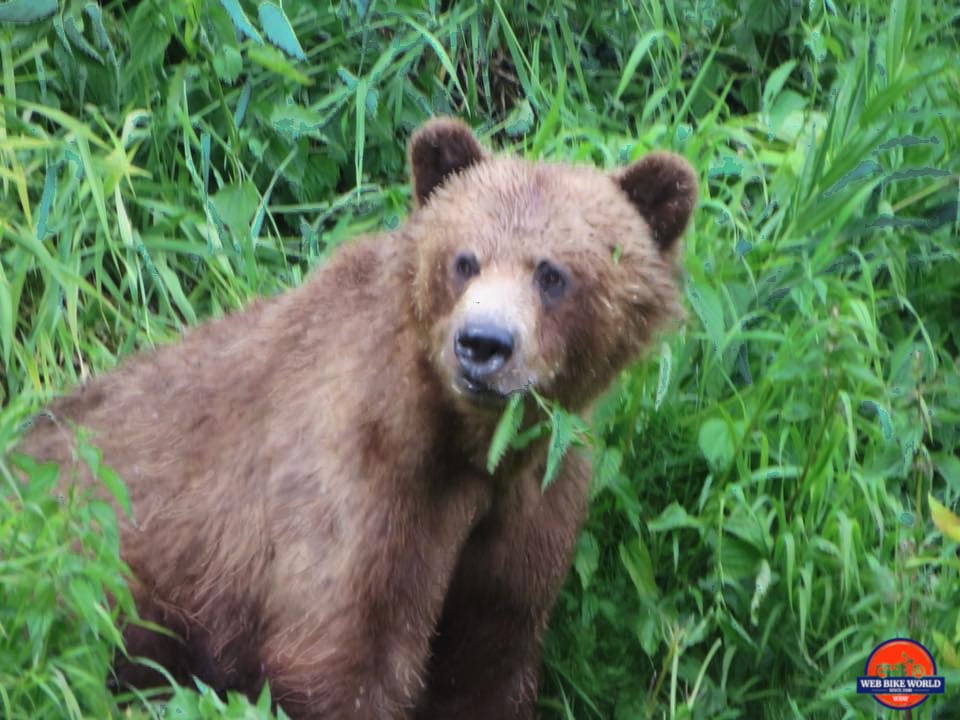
[{"x": 760, "y": 514}]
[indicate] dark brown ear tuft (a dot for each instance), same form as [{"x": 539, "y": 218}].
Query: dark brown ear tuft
[
  {"x": 663, "y": 187},
  {"x": 440, "y": 148}
]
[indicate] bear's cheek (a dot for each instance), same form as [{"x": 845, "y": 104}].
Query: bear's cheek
[
  {"x": 578, "y": 340},
  {"x": 434, "y": 295},
  {"x": 557, "y": 350}
]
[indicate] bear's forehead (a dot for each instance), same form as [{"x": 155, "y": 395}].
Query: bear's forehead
[
  {"x": 516, "y": 202},
  {"x": 516, "y": 210},
  {"x": 532, "y": 185}
]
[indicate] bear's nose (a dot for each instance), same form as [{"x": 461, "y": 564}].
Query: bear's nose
[{"x": 483, "y": 349}]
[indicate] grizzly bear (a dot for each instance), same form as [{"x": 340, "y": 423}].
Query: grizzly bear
[{"x": 311, "y": 505}]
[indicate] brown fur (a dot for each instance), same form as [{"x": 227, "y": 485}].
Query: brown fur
[{"x": 307, "y": 476}]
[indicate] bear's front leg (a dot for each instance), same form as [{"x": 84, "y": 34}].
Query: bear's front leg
[
  {"x": 485, "y": 659},
  {"x": 356, "y": 645}
]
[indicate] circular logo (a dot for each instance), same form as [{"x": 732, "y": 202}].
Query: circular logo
[{"x": 900, "y": 674}]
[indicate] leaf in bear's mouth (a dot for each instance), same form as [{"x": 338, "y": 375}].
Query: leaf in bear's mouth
[{"x": 507, "y": 429}]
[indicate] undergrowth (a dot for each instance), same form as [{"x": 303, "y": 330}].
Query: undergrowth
[{"x": 761, "y": 511}]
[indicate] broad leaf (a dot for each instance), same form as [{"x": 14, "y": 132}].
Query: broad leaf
[{"x": 277, "y": 28}]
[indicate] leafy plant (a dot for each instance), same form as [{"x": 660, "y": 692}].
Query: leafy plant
[{"x": 64, "y": 587}]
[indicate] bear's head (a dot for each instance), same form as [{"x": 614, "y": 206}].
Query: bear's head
[{"x": 540, "y": 276}]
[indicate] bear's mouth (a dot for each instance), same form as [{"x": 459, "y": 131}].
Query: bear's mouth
[
  {"x": 478, "y": 391},
  {"x": 481, "y": 393}
]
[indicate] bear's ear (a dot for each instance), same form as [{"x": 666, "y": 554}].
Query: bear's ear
[
  {"x": 663, "y": 187},
  {"x": 442, "y": 147}
]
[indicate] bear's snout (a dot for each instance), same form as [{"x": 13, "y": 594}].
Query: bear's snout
[{"x": 483, "y": 349}]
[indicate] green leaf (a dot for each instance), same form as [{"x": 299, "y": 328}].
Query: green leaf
[
  {"x": 84, "y": 599},
  {"x": 295, "y": 121},
  {"x": 7, "y": 338},
  {"x": 46, "y": 199},
  {"x": 786, "y": 117},
  {"x": 561, "y": 436},
  {"x": 673, "y": 517},
  {"x": 716, "y": 443},
  {"x": 766, "y": 16},
  {"x": 886, "y": 424},
  {"x": 278, "y": 30},
  {"x": 607, "y": 467},
  {"x": 173, "y": 287},
  {"x": 347, "y": 78},
  {"x": 709, "y": 308},
  {"x": 240, "y": 20},
  {"x": 534, "y": 432},
  {"x": 506, "y": 431},
  {"x": 92, "y": 11},
  {"x": 236, "y": 205},
  {"x": 264, "y": 702},
  {"x": 636, "y": 559},
  {"x": 776, "y": 81},
  {"x": 61, "y": 35},
  {"x": 761, "y": 586},
  {"x": 90, "y": 454},
  {"x": 948, "y": 466},
  {"x": 790, "y": 563},
  {"x": 205, "y": 160},
  {"x": 520, "y": 119},
  {"x": 229, "y": 64},
  {"x": 150, "y": 39},
  {"x": 663, "y": 375},
  {"x": 241, "y": 112},
  {"x": 42, "y": 476},
  {"x": 640, "y": 50},
  {"x": 271, "y": 59},
  {"x": 947, "y": 650},
  {"x": 77, "y": 40},
  {"x": 944, "y": 519},
  {"x": 27, "y": 11},
  {"x": 586, "y": 560},
  {"x": 360, "y": 132}
]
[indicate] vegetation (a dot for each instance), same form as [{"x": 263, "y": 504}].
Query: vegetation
[{"x": 765, "y": 483}]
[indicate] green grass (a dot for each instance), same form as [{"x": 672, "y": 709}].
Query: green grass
[{"x": 760, "y": 516}]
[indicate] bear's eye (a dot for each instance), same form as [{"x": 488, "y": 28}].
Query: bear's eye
[
  {"x": 466, "y": 266},
  {"x": 550, "y": 280}
]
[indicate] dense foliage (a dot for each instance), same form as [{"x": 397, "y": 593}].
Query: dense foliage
[{"x": 764, "y": 483}]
